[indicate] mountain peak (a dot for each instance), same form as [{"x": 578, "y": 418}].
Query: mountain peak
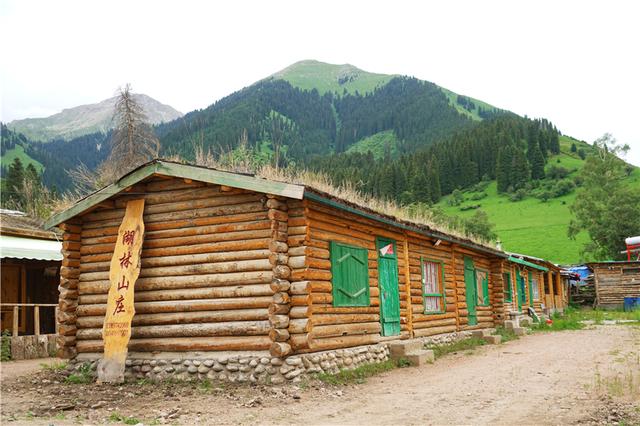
[
  {"x": 89, "y": 118},
  {"x": 312, "y": 74}
]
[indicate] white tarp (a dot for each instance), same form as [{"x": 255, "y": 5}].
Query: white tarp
[{"x": 29, "y": 248}]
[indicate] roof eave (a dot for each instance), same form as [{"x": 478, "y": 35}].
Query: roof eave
[{"x": 389, "y": 221}]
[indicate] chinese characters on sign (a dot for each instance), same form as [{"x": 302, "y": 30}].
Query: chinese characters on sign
[{"x": 123, "y": 273}]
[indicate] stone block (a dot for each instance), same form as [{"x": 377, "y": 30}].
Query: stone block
[
  {"x": 519, "y": 331},
  {"x": 400, "y": 349},
  {"x": 419, "y": 358},
  {"x": 510, "y": 324},
  {"x": 17, "y": 348},
  {"x": 481, "y": 333},
  {"x": 526, "y": 322},
  {"x": 493, "y": 340}
]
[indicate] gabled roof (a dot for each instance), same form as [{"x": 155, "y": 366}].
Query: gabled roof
[
  {"x": 169, "y": 168},
  {"x": 250, "y": 182}
]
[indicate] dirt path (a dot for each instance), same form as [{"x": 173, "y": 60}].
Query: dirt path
[
  {"x": 13, "y": 369},
  {"x": 554, "y": 378}
]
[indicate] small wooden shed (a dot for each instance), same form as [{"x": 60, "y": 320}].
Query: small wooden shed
[
  {"x": 232, "y": 263},
  {"x": 614, "y": 281}
]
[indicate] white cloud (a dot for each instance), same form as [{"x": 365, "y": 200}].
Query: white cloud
[{"x": 574, "y": 62}]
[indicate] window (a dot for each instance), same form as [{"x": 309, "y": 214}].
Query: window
[
  {"x": 508, "y": 293},
  {"x": 349, "y": 275},
  {"x": 482, "y": 286},
  {"x": 630, "y": 271},
  {"x": 535, "y": 289},
  {"x": 433, "y": 286}
]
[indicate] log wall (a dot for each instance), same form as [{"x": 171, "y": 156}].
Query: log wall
[
  {"x": 613, "y": 285},
  {"x": 205, "y": 280}
]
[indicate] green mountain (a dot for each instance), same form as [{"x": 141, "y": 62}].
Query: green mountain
[{"x": 85, "y": 119}]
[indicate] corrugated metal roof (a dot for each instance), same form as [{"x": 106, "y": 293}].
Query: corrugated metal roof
[{"x": 29, "y": 248}]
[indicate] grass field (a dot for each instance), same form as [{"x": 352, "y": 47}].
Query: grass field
[
  {"x": 18, "y": 152},
  {"x": 473, "y": 114},
  {"x": 310, "y": 74},
  {"x": 531, "y": 226},
  {"x": 377, "y": 144}
]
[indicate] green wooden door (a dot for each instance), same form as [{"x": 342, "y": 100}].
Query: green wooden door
[
  {"x": 471, "y": 290},
  {"x": 530, "y": 289},
  {"x": 388, "y": 282},
  {"x": 520, "y": 289}
]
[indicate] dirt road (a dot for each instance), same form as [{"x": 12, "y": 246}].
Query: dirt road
[{"x": 554, "y": 378}]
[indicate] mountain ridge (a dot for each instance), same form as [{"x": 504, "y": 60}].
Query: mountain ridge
[{"x": 88, "y": 118}]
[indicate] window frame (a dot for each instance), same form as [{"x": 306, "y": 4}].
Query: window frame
[
  {"x": 508, "y": 296},
  {"x": 334, "y": 286},
  {"x": 442, "y": 295},
  {"x": 485, "y": 290},
  {"x": 535, "y": 287}
]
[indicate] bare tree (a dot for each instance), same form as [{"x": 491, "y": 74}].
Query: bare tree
[{"x": 133, "y": 141}]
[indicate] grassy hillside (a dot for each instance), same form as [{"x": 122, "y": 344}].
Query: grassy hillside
[
  {"x": 310, "y": 74},
  {"x": 18, "y": 152},
  {"x": 377, "y": 144},
  {"x": 531, "y": 226},
  {"x": 471, "y": 113}
]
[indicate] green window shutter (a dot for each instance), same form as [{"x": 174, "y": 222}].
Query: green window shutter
[
  {"x": 530, "y": 289},
  {"x": 485, "y": 289},
  {"x": 349, "y": 275},
  {"x": 508, "y": 296}
]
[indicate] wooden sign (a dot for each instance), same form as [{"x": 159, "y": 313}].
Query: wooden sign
[{"x": 124, "y": 271}]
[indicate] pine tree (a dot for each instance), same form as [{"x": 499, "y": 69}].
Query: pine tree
[
  {"x": 503, "y": 168},
  {"x": 537, "y": 164},
  {"x": 12, "y": 186}
]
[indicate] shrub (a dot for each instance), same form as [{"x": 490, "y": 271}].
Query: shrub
[
  {"x": 478, "y": 196},
  {"x": 5, "y": 346},
  {"x": 557, "y": 172}
]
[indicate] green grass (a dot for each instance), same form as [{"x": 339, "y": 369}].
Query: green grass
[
  {"x": 507, "y": 335},
  {"x": 54, "y": 366},
  {"x": 82, "y": 377},
  {"x": 310, "y": 74},
  {"x": 463, "y": 345},
  {"x": 377, "y": 144},
  {"x": 357, "y": 375},
  {"x": 116, "y": 417},
  {"x": 531, "y": 226},
  {"x": 18, "y": 152},
  {"x": 473, "y": 114}
]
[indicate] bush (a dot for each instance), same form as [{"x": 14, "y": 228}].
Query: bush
[
  {"x": 83, "y": 376},
  {"x": 563, "y": 187},
  {"x": 5, "y": 347},
  {"x": 520, "y": 194},
  {"x": 478, "y": 196},
  {"x": 557, "y": 172},
  {"x": 469, "y": 207}
]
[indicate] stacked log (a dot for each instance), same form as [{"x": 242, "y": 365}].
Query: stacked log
[
  {"x": 500, "y": 306},
  {"x": 279, "y": 258},
  {"x": 300, "y": 325},
  {"x": 615, "y": 282},
  {"x": 68, "y": 289},
  {"x": 205, "y": 280}
]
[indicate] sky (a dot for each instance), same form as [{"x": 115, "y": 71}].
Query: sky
[{"x": 576, "y": 63}]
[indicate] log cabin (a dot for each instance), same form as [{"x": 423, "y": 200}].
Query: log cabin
[
  {"x": 235, "y": 264},
  {"x": 535, "y": 283},
  {"x": 30, "y": 263},
  {"x": 615, "y": 281}
]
